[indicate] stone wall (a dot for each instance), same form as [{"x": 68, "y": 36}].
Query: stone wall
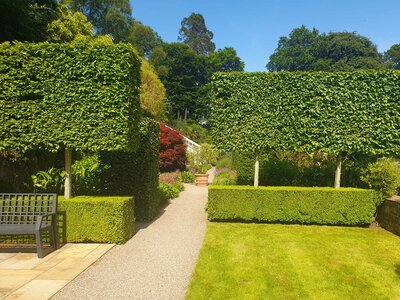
[{"x": 389, "y": 215}]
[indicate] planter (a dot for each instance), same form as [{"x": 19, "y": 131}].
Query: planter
[{"x": 201, "y": 179}]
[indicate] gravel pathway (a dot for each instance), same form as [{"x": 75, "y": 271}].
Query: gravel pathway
[{"x": 157, "y": 263}]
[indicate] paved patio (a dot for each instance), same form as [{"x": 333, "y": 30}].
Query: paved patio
[{"x": 24, "y": 276}]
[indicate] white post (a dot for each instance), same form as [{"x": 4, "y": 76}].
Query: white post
[
  {"x": 68, "y": 179},
  {"x": 338, "y": 171},
  {"x": 256, "y": 171}
]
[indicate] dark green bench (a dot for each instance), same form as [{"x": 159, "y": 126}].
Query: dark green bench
[{"x": 22, "y": 214}]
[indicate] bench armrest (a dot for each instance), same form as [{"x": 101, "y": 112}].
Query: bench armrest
[{"x": 40, "y": 219}]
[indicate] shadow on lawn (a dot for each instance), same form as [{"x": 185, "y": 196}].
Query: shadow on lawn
[{"x": 397, "y": 267}]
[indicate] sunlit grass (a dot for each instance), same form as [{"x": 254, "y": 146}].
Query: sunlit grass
[{"x": 261, "y": 261}]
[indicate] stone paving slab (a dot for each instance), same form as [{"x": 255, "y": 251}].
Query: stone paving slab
[{"x": 25, "y": 276}]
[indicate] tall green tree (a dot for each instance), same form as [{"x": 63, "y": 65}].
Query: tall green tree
[
  {"x": 225, "y": 60},
  {"x": 307, "y": 50},
  {"x": 143, "y": 38},
  {"x": 392, "y": 57},
  {"x": 26, "y": 20},
  {"x": 108, "y": 16},
  {"x": 69, "y": 26},
  {"x": 194, "y": 33},
  {"x": 184, "y": 75}
]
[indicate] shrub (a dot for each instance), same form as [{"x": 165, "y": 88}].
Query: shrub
[
  {"x": 226, "y": 177},
  {"x": 202, "y": 160},
  {"x": 170, "y": 177},
  {"x": 344, "y": 206},
  {"x": 50, "y": 181},
  {"x": 187, "y": 177},
  {"x": 96, "y": 219},
  {"x": 225, "y": 162},
  {"x": 170, "y": 190},
  {"x": 172, "y": 150},
  {"x": 383, "y": 176}
]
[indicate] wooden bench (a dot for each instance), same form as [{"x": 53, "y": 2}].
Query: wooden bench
[{"x": 30, "y": 214}]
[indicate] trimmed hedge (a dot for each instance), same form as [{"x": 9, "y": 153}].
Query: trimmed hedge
[
  {"x": 83, "y": 96},
  {"x": 136, "y": 173},
  {"x": 96, "y": 219},
  {"x": 328, "y": 206}
]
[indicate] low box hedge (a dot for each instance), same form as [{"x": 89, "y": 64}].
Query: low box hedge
[
  {"x": 96, "y": 219},
  {"x": 305, "y": 205}
]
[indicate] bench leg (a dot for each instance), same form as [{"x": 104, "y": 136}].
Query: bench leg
[
  {"x": 53, "y": 237},
  {"x": 39, "y": 244}
]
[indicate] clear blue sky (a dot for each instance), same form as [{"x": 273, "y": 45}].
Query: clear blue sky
[{"x": 253, "y": 27}]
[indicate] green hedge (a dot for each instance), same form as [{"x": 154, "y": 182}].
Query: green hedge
[
  {"x": 83, "y": 96},
  {"x": 337, "y": 113},
  {"x": 136, "y": 173},
  {"x": 96, "y": 219},
  {"x": 344, "y": 206}
]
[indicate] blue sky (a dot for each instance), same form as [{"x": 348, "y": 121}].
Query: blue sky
[{"x": 253, "y": 27}]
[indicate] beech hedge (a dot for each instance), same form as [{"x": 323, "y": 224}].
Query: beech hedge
[
  {"x": 325, "y": 206},
  {"x": 337, "y": 113},
  {"x": 81, "y": 96}
]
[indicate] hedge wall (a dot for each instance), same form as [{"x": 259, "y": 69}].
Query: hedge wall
[
  {"x": 329, "y": 206},
  {"x": 307, "y": 112},
  {"x": 136, "y": 173},
  {"x": 96, "y": 219},
  {"x": 82, "y": 96}
]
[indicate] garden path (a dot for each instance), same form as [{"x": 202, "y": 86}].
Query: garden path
[{"x": 157, "y": 263}]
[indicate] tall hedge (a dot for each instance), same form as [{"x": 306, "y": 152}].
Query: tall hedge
[
  {"x": 337, "y": 113},
  {"x": 307, "y": 111},
  {"x": 136, "y": 173},
  {"x": 80, "y": 96}
]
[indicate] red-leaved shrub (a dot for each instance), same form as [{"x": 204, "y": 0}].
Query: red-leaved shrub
[{"x": 172, "y": 150}]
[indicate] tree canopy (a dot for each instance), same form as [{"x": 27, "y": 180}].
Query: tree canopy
[
  {"x": 225, "y": 60},
  {"x": 143, "y": 38},
  {"x": 194, "y": 33},
  {"x": 26, "y": 20},
  {"x": 392, "y": 57},
  {"x": 307, "y": 50}
]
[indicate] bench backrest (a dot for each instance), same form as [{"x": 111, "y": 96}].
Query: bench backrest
[{"x": 25, "y": 208}]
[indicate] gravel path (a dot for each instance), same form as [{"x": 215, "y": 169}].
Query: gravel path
[{"x": 157, "y": 263}]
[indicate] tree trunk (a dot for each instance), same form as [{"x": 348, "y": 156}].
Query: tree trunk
[
  {"x": 256, "y": 171},
  {"x": 338, "y": 171},
  {"x": 68, "y": 179}
]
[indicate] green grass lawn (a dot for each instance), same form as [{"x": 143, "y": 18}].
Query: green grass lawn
[{"x": 262, "y": 261}]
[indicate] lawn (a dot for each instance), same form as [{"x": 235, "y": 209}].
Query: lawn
[{"x": 263, "y": 261}]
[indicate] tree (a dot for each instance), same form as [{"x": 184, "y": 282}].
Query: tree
[
  {"x": 194, "y": 33},
  {"x": 143, "y": 38},
  {"x": 225, "y": 60},
  {"x": 392, "y": 57},
  {"x": 69, "y": 26},
  {"x": 307, "y": 50},
  {"x": 108, "y": 16},
  {"x": 184, "y": 75},
  {"x": 152, "y": 91},
  {"x": 26, "y": 20}
]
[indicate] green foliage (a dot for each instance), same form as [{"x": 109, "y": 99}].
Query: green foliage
[
  {"x": 383, "y": 176},
  {"x": 170, "y": 190},
  {"x": 202, "y": 159},
  {"x": 307, "y": 50},
  {"x": 152, "y": 91},
  {"x": 195, "y": 34},
  {"x": 192, "y": 130},
  {"x": 225, "y": 178},
  {"x": 69, "y": 26},
  {"x": 97, "y": 219},
  {"x": 225, "y": 60},
  {"x": 86, "y": 174},
  {"x": 83, "y": 96},
  {"x": 26, "y": 20},
  {"x": 143, "y": 38},
  {"x": 187, "y": 177},
  {"x": 136, "y": 173},
  {"x": 50, "y": 181},
  {"x": 329, "y": 206},
  {"x": 336, "y": 113},
  {"x": 392, "y": 57}
]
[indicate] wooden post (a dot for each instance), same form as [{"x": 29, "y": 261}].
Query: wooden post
[
  {"x": 256, "y": 171},
  {"x": 68, "y": 179},
  {"x": 338, "y": 171}
]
